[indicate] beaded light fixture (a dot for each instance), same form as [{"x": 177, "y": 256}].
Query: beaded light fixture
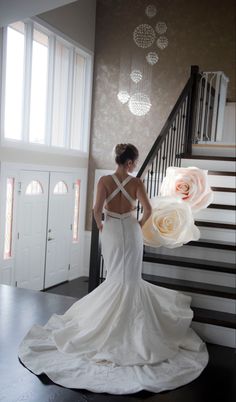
[
  {"x": 161, "y": 28},
  {"x": 139, "y": 104},
  {"x": 151, "y": 10},
  {"x": 136, "y": 76},
  {"x": 144, "y": 35},
  {"x": 123, "y": 96},
  {"x": 162, "y": 42},
  {"x": 152, "y": 58}
]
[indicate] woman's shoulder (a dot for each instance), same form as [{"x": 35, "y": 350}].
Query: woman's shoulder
[
  {"x": 105, "y": 179},
  {"x": 137, "y": 181},
  {"x": 108, "y": 178}
]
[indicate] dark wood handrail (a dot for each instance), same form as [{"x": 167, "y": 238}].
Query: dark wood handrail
[{"x": 169, "y": 121}]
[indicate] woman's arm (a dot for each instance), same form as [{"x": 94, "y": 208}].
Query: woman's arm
[
  {"x": 100, "y": 199},
  {"x": 143, "y": 198}
]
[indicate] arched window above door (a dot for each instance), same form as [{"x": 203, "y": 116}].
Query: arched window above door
[
  {"x": 34, "y": 188},
  {"x": 60, "y": 188}
]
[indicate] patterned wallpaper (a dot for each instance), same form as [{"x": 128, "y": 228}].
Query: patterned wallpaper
[{"x": 199, "y": 32}]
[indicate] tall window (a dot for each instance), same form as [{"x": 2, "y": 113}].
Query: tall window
[
  {"x": 44, "y": 92},
  {"x": 8, "y": 218}
]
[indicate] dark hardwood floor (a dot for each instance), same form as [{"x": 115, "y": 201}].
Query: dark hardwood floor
[
  {"x": 77, "y": 288},
  {"x": 20, "y": 309}
]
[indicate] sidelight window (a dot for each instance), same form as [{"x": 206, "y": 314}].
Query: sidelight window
[
  {"x": 9, "y": 217},
  {"x": 76, "y": 212}
]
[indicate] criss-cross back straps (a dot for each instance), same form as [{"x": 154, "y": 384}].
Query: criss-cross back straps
[{"x": 120, "y": 187}]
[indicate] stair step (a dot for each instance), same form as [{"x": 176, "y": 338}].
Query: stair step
[
  {"x": 213, "y": 244},
  {"x": 221, "y": 173},
  {"x": 222, "y": 206},
  {"x": 217, "y": 266},
  {"x": 211, "y": 164},
  {"x": 214, "y": 317},
  {"x": 210, "y": 157},
  {"x": 189, "y": 286},
  {"x": 216, "y": 225},
  {"x": 224, "y": 189}
]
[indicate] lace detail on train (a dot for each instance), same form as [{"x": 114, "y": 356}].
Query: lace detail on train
[{"x": 125, "y": 336}]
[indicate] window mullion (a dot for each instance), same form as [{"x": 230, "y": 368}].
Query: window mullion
[
  {"x": 50, "y": 89},
  {"x": 69, "y": 98},
  {"x": 27, "y": 80},
  {"x": 84, "y": 123}
]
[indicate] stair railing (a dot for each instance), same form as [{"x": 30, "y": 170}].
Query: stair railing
[
  {"x": 174, "y": 141},
  {"x": 210, "y": 108}
]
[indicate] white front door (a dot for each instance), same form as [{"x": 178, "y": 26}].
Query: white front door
[
  {"x": 59, "y": 230},
  {"x": 31, "y": 229}
]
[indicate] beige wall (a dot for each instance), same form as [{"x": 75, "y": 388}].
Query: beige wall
[
  {"x": 14, "y": 10},
  {"x": 76, "y": 20},
  {"x": 199, "y": 32}
]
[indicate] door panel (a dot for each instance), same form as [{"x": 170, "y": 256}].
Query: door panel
[
  {"x": 32, "y": 223},
  {"x": 59, "y": 232}
]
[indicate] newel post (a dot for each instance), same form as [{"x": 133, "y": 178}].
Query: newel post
[{"x": 191, "y": 107}]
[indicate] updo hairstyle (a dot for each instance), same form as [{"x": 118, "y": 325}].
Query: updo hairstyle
[{"x": 125, "y": 152}]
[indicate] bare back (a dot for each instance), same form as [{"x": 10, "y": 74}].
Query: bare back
[{"x": 119, "y": 203}]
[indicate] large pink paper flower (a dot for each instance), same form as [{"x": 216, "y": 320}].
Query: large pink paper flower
[
  {"x": 190, "y": 184},
  {"x": 171, "y": 223}
]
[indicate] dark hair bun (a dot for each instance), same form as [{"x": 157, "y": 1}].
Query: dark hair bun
[{"x": 125, "y": 152}]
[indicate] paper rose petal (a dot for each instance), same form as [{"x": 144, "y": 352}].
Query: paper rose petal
[
  {"x": 171, "y": 223},
  {"x": 190, "y": 184}
]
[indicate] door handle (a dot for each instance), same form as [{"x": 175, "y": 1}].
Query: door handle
[{"x": 51, "y": 238}]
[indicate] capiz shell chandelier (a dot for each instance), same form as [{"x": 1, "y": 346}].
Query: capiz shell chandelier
[{"x": 139, "y": 104}]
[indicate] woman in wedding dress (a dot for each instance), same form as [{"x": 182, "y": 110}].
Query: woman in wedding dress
[{"x": 127, "y": 335}]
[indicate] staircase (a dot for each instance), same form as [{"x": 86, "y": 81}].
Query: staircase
[{"x": 203, "y": 269}]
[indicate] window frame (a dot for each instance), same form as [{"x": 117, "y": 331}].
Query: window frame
[{"x": 75, "y": 48}]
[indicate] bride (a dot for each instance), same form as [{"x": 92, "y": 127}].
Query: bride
[{"x": 127, "y": 335}]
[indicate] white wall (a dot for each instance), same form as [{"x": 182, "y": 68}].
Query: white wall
[
  {"x": 13, "y": 10},
  {"x": 229, "y": 123},
  {"x": 41, "y": 158}
]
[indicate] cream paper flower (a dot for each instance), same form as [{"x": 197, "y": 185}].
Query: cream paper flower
[
  {"x": 190, "y": 184},
  {"x": 171, "y": 223}
]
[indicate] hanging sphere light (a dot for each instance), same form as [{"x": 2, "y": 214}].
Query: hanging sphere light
[
  {"x": 152, "y": 58},
  {"x": 144, "y": 35},
  {"x": 161, "y": 28},
  {"x": 162, "y": 42},
  {"x": 139, "y": 104},
  {"x": 123, "y": 96},
  {"x": 136, "y": 76},
  {"x": 151, "y": 10}
]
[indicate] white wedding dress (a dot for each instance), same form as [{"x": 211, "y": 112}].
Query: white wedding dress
[{"x": 125, "y": 336}]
